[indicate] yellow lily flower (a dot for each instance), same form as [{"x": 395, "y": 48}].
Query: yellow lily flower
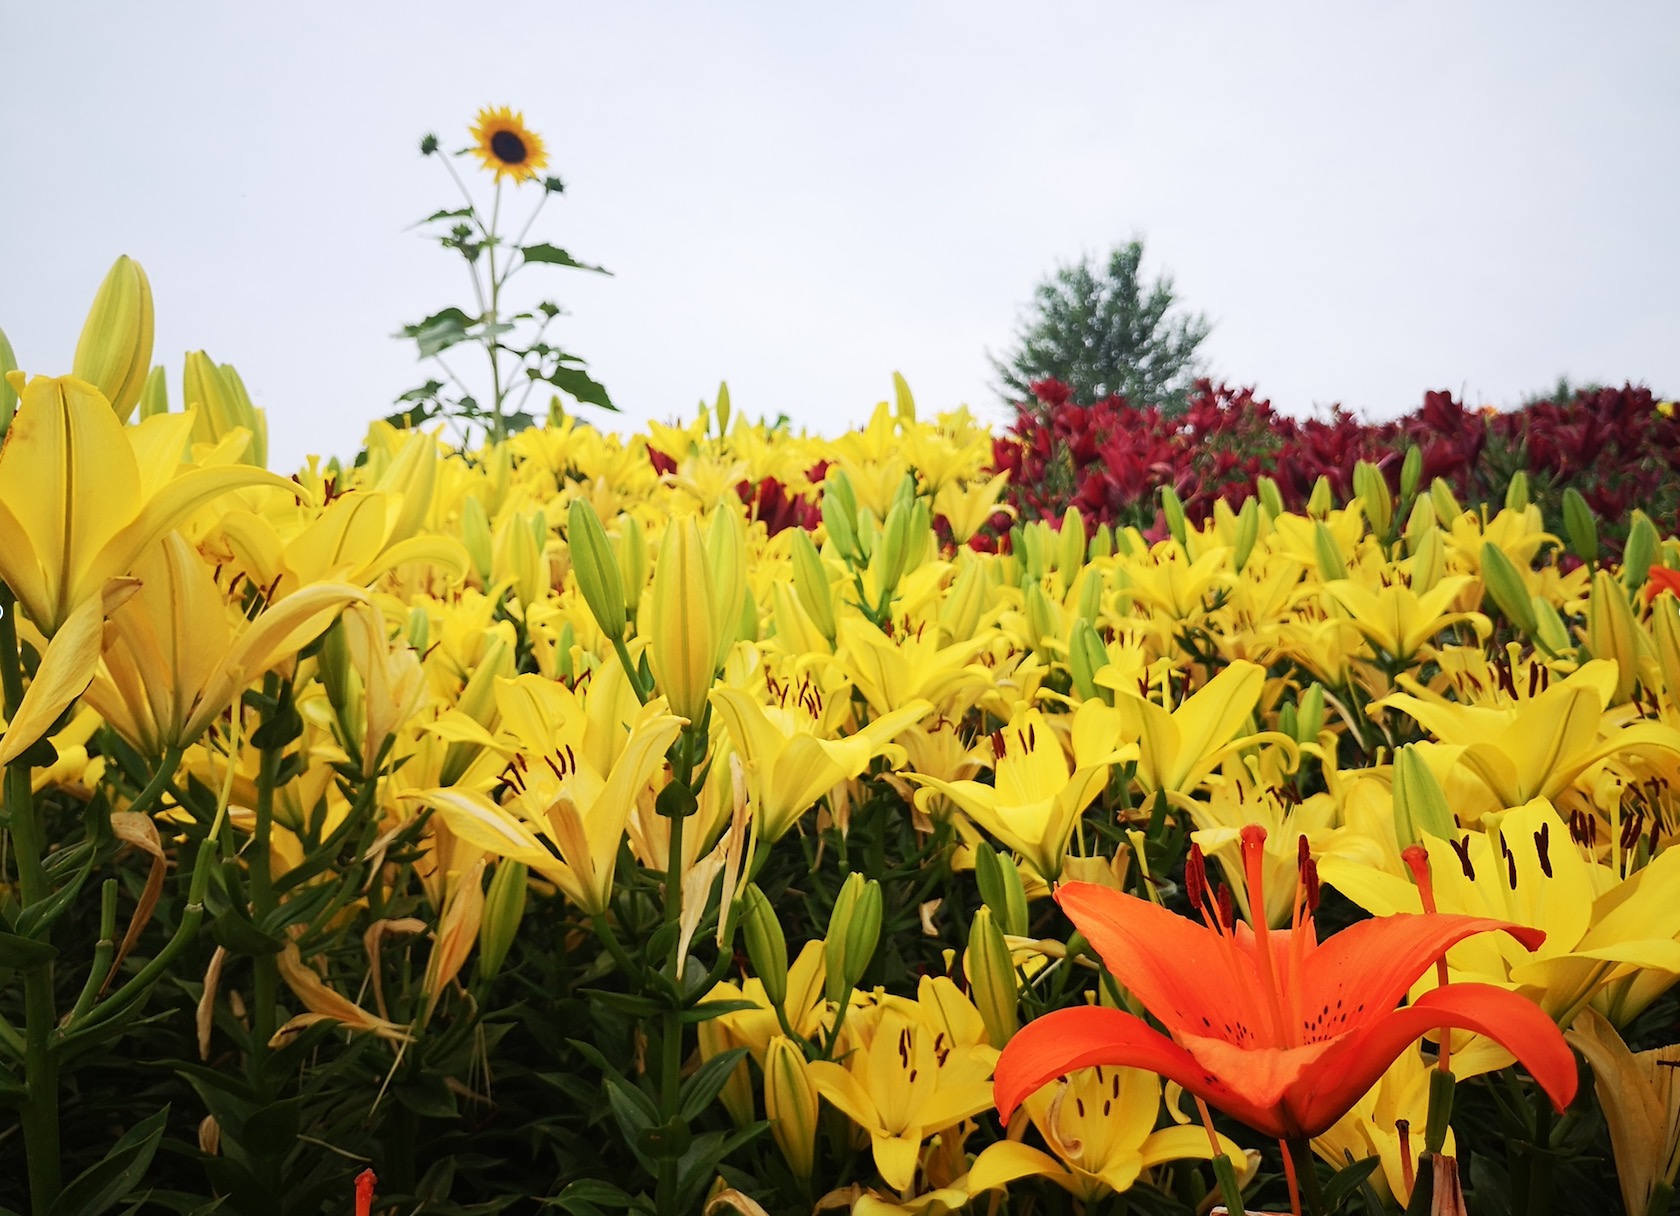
[
  {"x": 1370, "y": 1129},
  {"x": 789, "y": 763},
  {"x": 173, "y": 658},
  {"x": 1172, "y": 585},
  {"x": 67, "y": 665},
  {"x": 577, "y": 769},
  {"x": 968, "y": 506},
  {"x": 82, "y": 496},
  {"x": 1219, "y": 822},
  {"x": 1398, "y": 621},
  {"x": 912, "y": 666},
  {"x": 1640, "y": 1094},
  {"x": 1180, "y": 747},
  {"x": 806, "y": 1011},
  {"x": 1035, "y": 798},
  {"x": 1100, "y": 1126}
]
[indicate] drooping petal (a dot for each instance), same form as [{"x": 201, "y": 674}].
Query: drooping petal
[
  {"x": 1355, "y": 1062},
  {"x": 1058, "y": 1043},
  {"x": 1184, "y": 973},
  {"x": 1363, "y": 971}
]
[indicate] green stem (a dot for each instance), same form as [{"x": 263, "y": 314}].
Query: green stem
[
  {"x": 266, "y": 977},
  {"x": 103, "y": 951},
  {"x": 491, "y": 339},
  {"x": 165, "y": 772},
  {"x": 1306, "y": 1175}
]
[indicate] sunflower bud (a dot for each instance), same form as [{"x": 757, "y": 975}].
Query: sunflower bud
[
  {"x": 1372, "y": 489},
  {"x": 854, "y": 930},
  {"x": 1446, "y": 506},
  {"x": 790, "y": 1103},
  {"x": 726, "y": 553},
  {"x": 766, "y": 945},
  {"x": 1086, "y": 656},
  {"x": 1505, "y": 587},
  {"x": 596, "y": 568},
  {"x": 504, "y": 908},
  {"x": 991, "y": 978},
  {"x": 1411, "y": 471},
  {"x": 1248, "y": 531},
  {"x": 114, "y": 353},
  {"x": 475, "y": 536},
  {"x": 1420, "y": 804},
  {"x": 1640, "y": 553},
  {"x": 683, "y": 629},
  {"x": 840, "y": 513},
  {"x": 1001, "y": 888},
  {"x": 810, "y": 583},
  {"x": 1172, "y": 506},
  {"x": 1580, "y": 526},
  {"x": 1613, "y": 632}
]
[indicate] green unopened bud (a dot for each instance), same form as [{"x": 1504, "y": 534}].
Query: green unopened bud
[
  {"x": 1640, "y": 553},
  {"x": 683, "y": 632},
  {"x": 766, "y": 945},
  {"x": 332, "y": 668},
  {"x": 1102, "y": 541},
  {"x": 1505, "y": 586},
  {"x": 595, "y": 566},
  {"x": 1446, "y": 506},
  {"x": 1271, "y": 497},
  {"x": 8, "y": 394},
  {"x": 854, "y": 930},
  {"x": 478, "y": 702},
  {"x": 1044, "y": 618},
  {"x": 504, "y": 908},
  {"x": 154, "y": 397},
  {"x": 1330, "y": 562},
  {"x": 839, "y": 513},
  {"x": 810, "y": 583},
  {"x": 1001, "y": 888},
  {"x": 1428, "y": 560},
  {"x": 1309, "y": 714},
  {"x": 790, "y": 1103},
  {"x": 564, "y": 669},
  {"x": 992, "y": 985},
  {"x": 1516, "y": 493},
  {"x": 724, "y": 411},
  {"x": 630, "y": 549},
  {"x": 1613, "y": 632},
  {"x": 1372, "y": 489},
  {"x": 114, "y": 353},
  {"x": 1086, "y": 656},
  {"x": 1322, "y": 500},
  {"x": 1172, "y": 506},
  {"x": 1549, "y": 628},
  {"x": 1070, "y": 547},
  {"x": 1420, "y": 523},
  {"x": 1665, "y": 633},
  {"x": 519, "y": 559},
  {"x": 726, "y": 553},
  {"x": 1580, "y": 526},
  {"x": 890, "y": 552},
  {"x": 747, "y": 630},
  {"x": 903, "y": 403},
  {"x": 419, "y": 630},
  {"x": 1441, "y": 1084},
  {"x": 1411, "y": 471},
  {"x": 475, "y": 537},
  {"x": 1248, "y": 532},
  {"x": 1420, "y": 804},
  {"x": 247, "y": 415},
  {"x": 965, "y": 601}
]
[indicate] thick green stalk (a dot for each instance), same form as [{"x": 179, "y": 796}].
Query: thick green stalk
[
  {"x": 266, "y": 977},
  {"x": 40, "y": 1015},
  {"x": 670, "y": 1068}
]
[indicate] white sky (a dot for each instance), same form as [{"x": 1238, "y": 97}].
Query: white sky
[{"x": 1367, "y": 200}]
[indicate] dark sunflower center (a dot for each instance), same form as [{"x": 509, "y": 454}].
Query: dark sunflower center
[{"x": 508, "y": 147}]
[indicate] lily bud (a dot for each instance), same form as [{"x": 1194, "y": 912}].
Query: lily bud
[
  {"x": 723, "y": 411},
  {"x": 504, "y": 908},
  {"x": 1248, "y": 531},
  {"x": 520, "y": 559},
  {"x": 475, "y": 536},
  {"x": 891, "y": 550},
  {"x": 810, "y": 583},
  {"x": 1429, "y": 559},
  {"x": 1411, "y": 471},
  {"x": 630, "y": 548},
  {"x": 478, "y": 702},
  {"x": 1549, "y": 627},
  {"x": 1309, "y": 713},
  {"x": 1420, "y": 523},
  {"x": 790, "y": 1103},
  {"x": 1580, "y": 526},
  {"x": 1002, "y": 889},
  {"x": 992, "y": 985},
  {"x": 1640, "y": 553},
  {"x": 766, "y": 944},
  {"x": 1613, "y": 632},
  {"x": 114, "y": 353},
  {"x": 1270, "y": 496},
  {"x": 854, "y": 930},
  {"x": 1505, "y": 587},
  {"x": 247, "y": 415},
  {"x": 1322, "y": 500},
  {"x": 1086, "y": 656},
  {"x": 965, "y": 602},
  {"x": 1070, "y": 547},
  {"x": 904, "y": 404},
  {"x": 596, "y": 568},
  {"x": 1044, "y": 619},
  {"x": 683, "y": 628},
  {"x": 1420, "y": 804},
  {"x": 419, "y": 630},
  {"x": 1331, "y": 564},
  {"x": 1372, "y": 489},
  {"x": 1088, "y": 603},
  {"x": 8, "y": 394},
  {"x": 1516, "y": 493},
  {"x": 1665, "y": 629},
  {"x": 1102, "y": 542},
  {"x": 1172, "y": 506},
  {"x": 726, "y": 552},
  {"x": 839, "y": 514},
  {"x": 1446, "y": 506}
]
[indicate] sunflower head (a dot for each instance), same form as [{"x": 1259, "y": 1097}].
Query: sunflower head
[{"x": 506, "y": 146}]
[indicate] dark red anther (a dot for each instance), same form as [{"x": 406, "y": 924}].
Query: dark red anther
[
  {"x": 1542, "y": 843},
  {"x": 1632, "y": 826},
  {"x": 999, "y": 747},
  {"x": 1533, "y": 679},
  {"x": 1310, "y": 872},
  {"x": 1195, "y": 876},
  {"x": 1511, "y": 868},
  {"x": 1462, "y": 848},
  {"x": 1227, "y": 908},
  {"x": 1303, "y": 852}
]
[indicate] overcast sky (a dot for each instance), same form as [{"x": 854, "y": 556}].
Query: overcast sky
[{"x": 1367, "y": 201}]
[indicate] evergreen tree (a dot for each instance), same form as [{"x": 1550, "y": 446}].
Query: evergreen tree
[{"x": 1105, "y": 334}]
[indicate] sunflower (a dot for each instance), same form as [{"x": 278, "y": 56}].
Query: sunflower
[{"x": 507, "y": 147}]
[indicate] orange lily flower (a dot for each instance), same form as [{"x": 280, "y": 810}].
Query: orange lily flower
[
  {"x": 1660, "y": 579},
  {"x": 1268, "y": 1025}
]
